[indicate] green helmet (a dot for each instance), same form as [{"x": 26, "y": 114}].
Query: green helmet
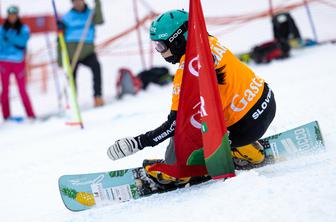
[
  {"x": 13, "y": 10},
  {"x": 165, "y": 25},
  {"x": 169, "y": 31}
]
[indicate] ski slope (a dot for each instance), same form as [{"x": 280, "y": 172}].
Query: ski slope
[{"x": 34, "y": 154}]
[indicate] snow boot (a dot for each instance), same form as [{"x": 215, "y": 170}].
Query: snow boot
[
  {"x": 249, "y": 156},
  {"x": 167, "y": 182},
  {"x": 98, "y": 101}
]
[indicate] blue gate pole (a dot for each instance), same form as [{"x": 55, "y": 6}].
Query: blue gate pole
[{"x": 311, "y": 20}]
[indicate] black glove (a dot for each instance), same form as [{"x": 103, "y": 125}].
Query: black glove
[{"x": 60, "y": 25}]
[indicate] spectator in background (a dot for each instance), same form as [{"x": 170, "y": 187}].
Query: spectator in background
[
  {"x": 13, "y": 42},
  {"x": 73, "y": 24}
]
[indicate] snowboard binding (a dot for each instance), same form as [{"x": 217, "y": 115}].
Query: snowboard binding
[{"x": 166, "y": 182}]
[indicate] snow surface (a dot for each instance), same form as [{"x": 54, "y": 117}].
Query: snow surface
[{"x": 34, "y": 154}]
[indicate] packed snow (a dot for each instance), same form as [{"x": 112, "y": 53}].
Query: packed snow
[{"x": 33, "y": 155}]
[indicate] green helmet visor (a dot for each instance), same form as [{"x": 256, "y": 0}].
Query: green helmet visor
[{"x": 163, "y": 45}]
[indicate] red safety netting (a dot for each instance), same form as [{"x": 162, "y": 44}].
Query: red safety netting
[{"x": 110, "y": 46}]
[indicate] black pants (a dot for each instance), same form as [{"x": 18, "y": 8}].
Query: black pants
[
  {"x": 247, "y": 130},
  {"x": 91, "y": 61},
  {"x": 255, "y": 122}
]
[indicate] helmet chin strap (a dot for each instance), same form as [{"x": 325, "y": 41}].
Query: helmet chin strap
[
  {"x": 173, "y": 59},
  {"x": 175, "y": 50}
]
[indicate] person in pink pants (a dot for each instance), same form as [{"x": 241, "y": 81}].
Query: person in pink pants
[
  {"x": 18, "y": 69},
  {"x": 13, "y": 41}
]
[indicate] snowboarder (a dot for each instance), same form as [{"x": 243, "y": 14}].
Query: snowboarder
[
  {"x": 14, "y": 36},
  {"x": 73, "y": 23},
  {"x": 248, "y": 102}
]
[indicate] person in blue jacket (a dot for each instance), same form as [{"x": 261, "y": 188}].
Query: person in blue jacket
[
  {"x": 14, "y": 36},
  {"x": 73, "y": 25}
]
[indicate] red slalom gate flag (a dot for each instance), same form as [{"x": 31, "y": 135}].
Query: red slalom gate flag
[
  {"x": 217, "y": 151},
  {"x": 201, "y": 139}
]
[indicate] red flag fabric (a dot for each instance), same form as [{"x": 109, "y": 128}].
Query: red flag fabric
[
  {"x": 217, "y": 151},
  {"x": 188, "y": 135},
  {"x": 199, "y": 110}
]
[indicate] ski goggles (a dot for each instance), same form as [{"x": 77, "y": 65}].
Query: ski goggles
[
  {"x": 160, "y": 46},
  {"x": 163, "y": 45}
]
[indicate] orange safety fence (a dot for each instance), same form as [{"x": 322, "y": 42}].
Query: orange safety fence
[
  {"x": 333, "y": 5},
  {"x": 39, "y": 23},
  {"x": 236, "y": 21},
  {"x": 141, "y": 22},
  {"x": 43, "y": 68}
]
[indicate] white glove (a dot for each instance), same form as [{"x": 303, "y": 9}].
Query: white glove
[{"x": 122, "y": 148}]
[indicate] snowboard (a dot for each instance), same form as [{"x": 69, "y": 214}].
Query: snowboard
[{"x": 85, "y": 191}]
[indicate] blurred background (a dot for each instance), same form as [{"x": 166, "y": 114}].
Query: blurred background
[
  {"x": 239, "y": 25},
  {"x": 34, "y": 153}
]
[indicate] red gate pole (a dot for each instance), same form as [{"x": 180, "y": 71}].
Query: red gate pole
[
  {"x": 136, "y": 14},
  {"x": 271, "y": 12}
]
